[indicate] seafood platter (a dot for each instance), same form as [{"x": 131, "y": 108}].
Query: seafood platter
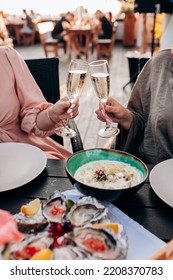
[{"x": 62, "y": 229}]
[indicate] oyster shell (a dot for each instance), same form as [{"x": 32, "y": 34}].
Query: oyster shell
[
  {"x": 27, "y": 224},
  {"x": 32, "y": 243},
  {"x": 54, "y": 209},
  {"x": 87, "y": 210},
  {"x": 70, "y": 252},
  {"x": 101, "y": 243}
]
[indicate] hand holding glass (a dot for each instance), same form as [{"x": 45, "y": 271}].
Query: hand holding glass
[
  {"x": 99, "y": 72},
  {"x": 75, "y": 81}
]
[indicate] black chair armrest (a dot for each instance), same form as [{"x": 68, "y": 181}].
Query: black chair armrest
[{"x": 76, "y": 141}]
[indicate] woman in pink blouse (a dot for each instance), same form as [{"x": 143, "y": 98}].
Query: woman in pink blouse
[{"x": 25, "y": 114}]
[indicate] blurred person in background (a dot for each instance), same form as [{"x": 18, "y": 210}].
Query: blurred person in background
[
  {"x": 109, "y": 16},
  {"x": 27, "y": 23},
  {"x": 103, "y": 27},
  {"x": 60, "y": 32},
  {"x": 35, "y": 17}
]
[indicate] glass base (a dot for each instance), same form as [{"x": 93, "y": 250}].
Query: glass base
[
  {"x": 65, "y": 132},
  {"x": 108, "y": 132}
]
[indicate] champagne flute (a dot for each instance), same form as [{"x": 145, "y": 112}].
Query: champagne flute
[
  {"x": 76, "y": 77},
  {"x": 99, "y": 72}
]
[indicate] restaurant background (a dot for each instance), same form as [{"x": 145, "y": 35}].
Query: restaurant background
[{"x": 58, "y": 6}]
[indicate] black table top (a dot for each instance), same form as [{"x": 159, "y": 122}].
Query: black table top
[{"x": 144, "y": 206}]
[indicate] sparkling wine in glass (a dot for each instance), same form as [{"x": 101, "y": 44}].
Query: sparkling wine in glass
[
  {"x": 99, "y": 72},
  {"x": 76, "y": 77}
]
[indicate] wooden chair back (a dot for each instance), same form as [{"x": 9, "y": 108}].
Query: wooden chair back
[
  {"x": 105, "y": 46},
  {"x": 49, "y": 44},
  {"x": 29, "y": 38}
]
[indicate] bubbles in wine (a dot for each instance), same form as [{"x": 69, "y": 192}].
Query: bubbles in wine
[
  {"x": 101, "y": 83},
  {"x": 75, "y": 82}
]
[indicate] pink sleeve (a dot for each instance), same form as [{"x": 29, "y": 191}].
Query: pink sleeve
[{"x": 29, "y": 94}]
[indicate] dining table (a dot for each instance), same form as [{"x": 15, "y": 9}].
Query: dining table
[
  {"x": 80, "y": 32},
  {"x": 144, "y": 206}
]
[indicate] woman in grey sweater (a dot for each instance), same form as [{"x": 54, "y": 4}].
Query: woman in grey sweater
[{"x": 146, "y": 124}]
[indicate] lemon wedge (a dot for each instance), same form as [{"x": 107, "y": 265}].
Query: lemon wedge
[
  {"x": 44, "y": 254},
  {"x": 31, "y": 208},
  {"x": 113, "y": 226}
]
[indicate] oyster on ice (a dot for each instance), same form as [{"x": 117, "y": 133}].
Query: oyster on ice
[
  {"x": 87, "y": 210},
  {"x": 54, "y": 209},
  {"x": 102, "y": 243},
  {"x": 32, "y": 244},
  {"x": 31, "y": 223}
]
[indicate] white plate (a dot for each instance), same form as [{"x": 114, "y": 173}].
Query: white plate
[
  {"x": 19, "y": 164},
  {"x": 161, "y": 180}
]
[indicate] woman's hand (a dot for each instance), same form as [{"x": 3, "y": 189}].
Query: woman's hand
[
  {"x": 113, "y": 111},
  {"x": 63, "y": 109},
  {"x": 57, "y": 114}
]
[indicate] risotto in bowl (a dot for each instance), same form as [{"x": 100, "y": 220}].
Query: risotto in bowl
[{"x": 106, "y": 174}]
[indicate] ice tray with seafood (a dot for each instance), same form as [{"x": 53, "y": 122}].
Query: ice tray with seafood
[{"x": 61, "y": 229}]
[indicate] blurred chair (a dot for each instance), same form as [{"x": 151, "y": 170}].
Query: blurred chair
[
  {"x": 49, "y": 44},
  {"x": 28, "y": 38},
  {"x": 135, "y": 66},
  {"x": 104, "y": 46},
  {"x": 46, "y": 73},
  {"x": 133, "y": 63}
]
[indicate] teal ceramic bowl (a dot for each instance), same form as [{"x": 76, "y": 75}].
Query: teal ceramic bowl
[{"x": 91, "y": 155}]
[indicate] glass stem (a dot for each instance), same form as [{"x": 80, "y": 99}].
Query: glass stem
[
  {"x": 108, "y": 126},
  {"x": 66, "y": 126}
]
